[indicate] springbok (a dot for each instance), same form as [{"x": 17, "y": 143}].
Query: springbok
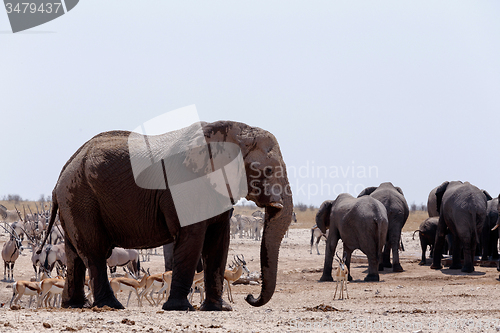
[
  {"x": 341, "y": 277},
  {"x": 232, "y": 275},
  {"x": 154, "y": 282},
  {"x": 198, "y": 283},
  {"x": 21, "y": 288},
  {"x": 164, "y": 292},
  {"x": 316, "y": 233},
  {"x": 49, "y": 288},
  {"x": 10, "y": 252},
  {"x": 130, "y": 285}
]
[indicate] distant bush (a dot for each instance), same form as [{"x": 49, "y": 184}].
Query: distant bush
[
  {"x": 301, "y": 207},
  {"x": 312, "y": 207},
  {"x": 13, "y": 197},
  {"x": 414, "y": 207}
]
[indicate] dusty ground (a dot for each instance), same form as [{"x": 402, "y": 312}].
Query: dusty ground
[{"x": 417, "y": 299}]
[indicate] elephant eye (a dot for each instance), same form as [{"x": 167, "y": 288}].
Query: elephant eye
[{"x": 268, "y": 171}]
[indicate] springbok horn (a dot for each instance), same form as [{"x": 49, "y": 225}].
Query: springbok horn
[{"x": 242, "y": 261}]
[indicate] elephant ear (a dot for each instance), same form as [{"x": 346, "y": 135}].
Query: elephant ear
[
  {"x": 323, "y": 215},
  {"x": 367, "y": 191},
  {"x": 399, "y": 190},
  {"x": 488, "y": 196},
  {"x": 439, "y": 194}
]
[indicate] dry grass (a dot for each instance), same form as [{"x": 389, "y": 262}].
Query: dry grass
[{"x": 10, "y": 205}]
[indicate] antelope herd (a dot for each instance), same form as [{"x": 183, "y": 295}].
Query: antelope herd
[{"x": 44, "y": 287}]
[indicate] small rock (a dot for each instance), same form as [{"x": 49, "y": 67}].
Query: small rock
[
  {"x": 46, "y": 325},
  {"x": 419, "y": 331},
  {"x": 128, "y": 321}
]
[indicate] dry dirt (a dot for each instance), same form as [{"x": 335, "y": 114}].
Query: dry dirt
[{"x": 417, "y": 299}]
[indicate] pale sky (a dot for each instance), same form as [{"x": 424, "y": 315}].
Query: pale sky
[{"x": 400, "y": 91}]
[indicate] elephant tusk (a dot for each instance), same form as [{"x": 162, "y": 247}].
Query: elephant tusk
[
  {"x": 495, "y": 227},
  {"x": 276, "y": 205}
]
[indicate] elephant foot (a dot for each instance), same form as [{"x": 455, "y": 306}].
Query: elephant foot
[
  {"x": 468, "y": 268},
  {"x": 380, "y": 267},
  {"x": 76, "y": 304},
  {"x": 456, "y": 266},
  {"x": 387, "y": 264},
  {"x": 221, "y": 305},
  {"x": 372, "y": 278},
  {"x": 397, "y": 268},
  {"x": 434, "y": 266},
  {"x": 177, "y": 305},
  {"x": 326, "y": 278},
  {"x": 112, "y": 302},
  {"x": 422, "y": 263}
]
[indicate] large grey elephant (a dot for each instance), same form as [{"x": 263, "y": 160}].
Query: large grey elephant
[
  {"x": 489, "y": 238},
  {"x": 462, "y": 209},
  {"x": 397, "y": 213},
  {"x": 101, "y": 206},
  {"x": 361, "y": 223}
]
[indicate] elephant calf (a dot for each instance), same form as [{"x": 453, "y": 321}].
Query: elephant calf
[
  {"x": 361, "y": 223},
  {"x": 427, "y": 234}
]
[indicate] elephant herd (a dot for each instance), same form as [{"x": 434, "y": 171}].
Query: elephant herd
[
  {"x": 459, "y": 212},
  {"x": 125, "y": 189}
]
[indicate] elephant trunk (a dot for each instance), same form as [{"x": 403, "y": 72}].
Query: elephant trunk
[{"x": 277, "y": 220}]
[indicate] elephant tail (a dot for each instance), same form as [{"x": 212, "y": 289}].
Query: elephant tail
[
  {"x": 53, "y": 214},
  {"x": 413, "y": 237}
]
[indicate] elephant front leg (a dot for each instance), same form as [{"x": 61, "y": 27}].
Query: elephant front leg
[
  {"x": 73, "y": 294},
  {"x": 331, "y": 246},
  {"x": 215, "y": 252},
  {"x": 187, "y": 250}
]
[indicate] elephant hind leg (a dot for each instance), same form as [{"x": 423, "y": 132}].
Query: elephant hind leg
[
  {"x": 73, "y": 294},
  {"x": 103, "y": 294}
]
